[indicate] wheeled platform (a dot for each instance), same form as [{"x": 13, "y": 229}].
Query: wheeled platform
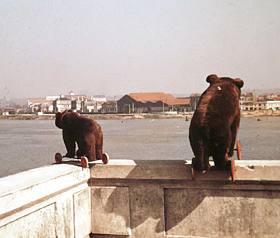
[{"x": 83, "y": 160}]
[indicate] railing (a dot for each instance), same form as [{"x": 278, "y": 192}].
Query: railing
[{"x": 129, "y": 198}]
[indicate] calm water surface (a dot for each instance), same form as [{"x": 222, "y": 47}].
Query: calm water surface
[{"x": 30, "y": 144}]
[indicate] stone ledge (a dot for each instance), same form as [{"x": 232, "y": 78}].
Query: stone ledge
[
  {"x": 32, "y": 177},
  {"x": 26, "y": 187},
  {"x": 246, "y": 170}
]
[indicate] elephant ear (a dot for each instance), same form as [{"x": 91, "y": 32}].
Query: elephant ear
[
  {"x": 238, "y": 82},
  {"x": 58, "y": 119},
  {"x": 212, "y": 78},
  {"x": 69, "y": 119}
]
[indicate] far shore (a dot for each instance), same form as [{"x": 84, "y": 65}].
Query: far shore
[
  {"x": 184, "y": 116},
  {"x": 100, "y": 116}
]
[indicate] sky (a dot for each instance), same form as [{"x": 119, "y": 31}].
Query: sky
[{"x": 118, "y": 47}]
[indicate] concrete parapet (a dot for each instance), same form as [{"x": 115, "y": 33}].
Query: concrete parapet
[
  {"x": 127, "y": 198},
  {"x": 51, "y": 201},
  {"x": 160, "y": 199}
]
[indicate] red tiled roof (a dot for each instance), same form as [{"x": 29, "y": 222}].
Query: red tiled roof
[
  {"x": 159, "y": 96},
  {"x": 181, "y": 101}
]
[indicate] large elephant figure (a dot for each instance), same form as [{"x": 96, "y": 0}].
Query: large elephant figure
[
  {"x": 84, "y": 131},
  {"x": 215, "y": 123}
]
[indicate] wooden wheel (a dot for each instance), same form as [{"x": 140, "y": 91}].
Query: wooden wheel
[
  {"x": 84, "y": 162},
  {"x": 105, "y": 158},
  {"x": 193, "y": 173},
  {"x": 238, "y": 150},
  {"x": 232, "y": 169},
  {"x": 58, "y": 158}
]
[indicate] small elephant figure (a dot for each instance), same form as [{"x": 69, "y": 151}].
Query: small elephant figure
[
  {"x": 215, "y": 123},
  {"x": 84, "y": 131}
]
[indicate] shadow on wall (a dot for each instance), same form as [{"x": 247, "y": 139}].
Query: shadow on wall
[{"x": 178, "y": 208}]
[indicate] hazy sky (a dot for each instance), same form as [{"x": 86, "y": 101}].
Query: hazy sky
[{"x": 116, "y": 47}]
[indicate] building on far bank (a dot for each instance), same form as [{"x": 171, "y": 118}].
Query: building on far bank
[
  {"x": 79, "y": 103},
  {"x": 97, "y": 101},
  {"x": 98, "y": 98},
  {"x": 144, "y": 102},
  {"x": 150, "y": 102},
  {"x": 90, "y": 107},
  {"x": 40, "y": 105},
  {"x": 272, "y": 105},
  {"x": 7, "y": 111},
  {"x": 181, "y": 104},
  {"x": 251, "y": 102},
  {"x": 194, "y": 99},
  {"x": 62, "y": 104},
  {"x": 52, "y": 98},
  {"x": 109, "y": 107},
  {"x": 247, "y": 101},
  {"x": 272, "y": 97}
]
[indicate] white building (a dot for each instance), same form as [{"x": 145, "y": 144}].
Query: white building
[
  {"x": 273, "y": 105},
  {"x": 62, "y": 104},
  {"x": 52, "y": 98},
  {"x": 40, "y": 105},
  {"x": 98, "y": 100}
]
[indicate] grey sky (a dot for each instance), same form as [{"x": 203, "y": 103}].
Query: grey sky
[{"x": 117, "y": 47}]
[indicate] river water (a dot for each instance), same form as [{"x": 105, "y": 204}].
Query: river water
[{"x": 29, "y": 144}]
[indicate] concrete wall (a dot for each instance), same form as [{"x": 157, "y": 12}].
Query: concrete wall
[
  {"x": 141, "y": 199},
  {"x": 159, "y": 199},
  {"x": 51, "y": 201}
]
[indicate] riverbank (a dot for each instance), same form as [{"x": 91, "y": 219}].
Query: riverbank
[
  {"x": 263, "y": 113},
  {"x": 184, "y": 116},
  {"x": 100, "y": 116}
]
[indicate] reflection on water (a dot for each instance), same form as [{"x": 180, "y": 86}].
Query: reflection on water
[{"x": 29, "y": 144}]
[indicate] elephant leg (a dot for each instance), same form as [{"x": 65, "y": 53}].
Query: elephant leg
[
  {"x": 221, "y": 152},
  {"x": 234, "y": 129},
  {"x": 82, "y": 148},
  {"x": 69, "y": 144},
  {"x": 201, "y": 160},
  {"x": 99, "y": 146},
  {"x": 92, "y": 152}
]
